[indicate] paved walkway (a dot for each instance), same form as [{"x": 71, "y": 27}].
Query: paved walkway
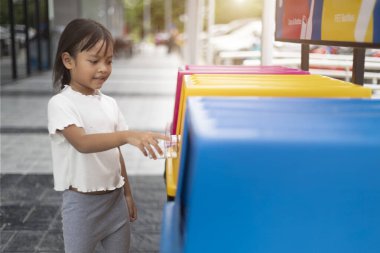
[{"x": 30, "y": 220}]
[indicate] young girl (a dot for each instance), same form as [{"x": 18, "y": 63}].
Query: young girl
[{"x": 87, "y": 129}]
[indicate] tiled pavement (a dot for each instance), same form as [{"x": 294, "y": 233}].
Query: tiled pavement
[{"x": 30, "y": 218}]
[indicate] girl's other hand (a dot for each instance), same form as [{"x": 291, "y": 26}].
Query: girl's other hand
[
  {"x": 145, "y": 140},
  {"x": 132, "y": 210}
]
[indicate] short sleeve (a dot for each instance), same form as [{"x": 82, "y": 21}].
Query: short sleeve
[{"x": 61, "y": 113}]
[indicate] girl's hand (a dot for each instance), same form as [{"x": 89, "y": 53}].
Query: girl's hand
[
  {"x": 145, "y": 140},
  {"x": 132, "y": 210}
]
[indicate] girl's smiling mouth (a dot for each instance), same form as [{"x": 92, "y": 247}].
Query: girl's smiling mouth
[{"x": 103, "y": 78}]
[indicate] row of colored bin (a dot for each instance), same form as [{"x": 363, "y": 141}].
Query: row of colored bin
[
  {"x": 195, "y": 69},
  {"x": 249, "y": 81},
  {"x": 270, "y": 175}
]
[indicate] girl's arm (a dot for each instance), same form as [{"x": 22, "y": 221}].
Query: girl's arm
[
  {"x": 92, "y": 143},
  {"x": 132, "y": 210}
]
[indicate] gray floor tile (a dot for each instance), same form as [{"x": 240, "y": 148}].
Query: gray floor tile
[
  {"x": 52, "y": 242},
  {"x": 24, "y": 241},
  {"x": 5, "y": 237},
  {"x": 145, "y": 242}
]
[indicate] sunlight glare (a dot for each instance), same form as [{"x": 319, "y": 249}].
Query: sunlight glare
[{"x": 240, "y": 1}]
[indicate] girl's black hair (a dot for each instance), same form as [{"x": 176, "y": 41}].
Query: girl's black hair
[{"x": 79, "y": 35}]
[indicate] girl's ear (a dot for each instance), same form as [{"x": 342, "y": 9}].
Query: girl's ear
[{"x": 67, "y": 60}]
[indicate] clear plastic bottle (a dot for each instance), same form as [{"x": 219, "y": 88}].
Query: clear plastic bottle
[{"x": 169, "y": 148}]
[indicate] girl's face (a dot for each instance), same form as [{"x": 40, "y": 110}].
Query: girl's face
[{"x": 89, "y": 69}]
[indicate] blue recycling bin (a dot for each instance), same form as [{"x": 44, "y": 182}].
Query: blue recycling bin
[{"x": 277, "y": 175}]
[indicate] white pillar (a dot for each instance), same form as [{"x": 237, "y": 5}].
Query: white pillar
[
  {"x": 193, "y": 25},
  {"x": 267, "y": 32},
  {"x": 210, "y": 24},
  {"x": 200, "y": 21}
]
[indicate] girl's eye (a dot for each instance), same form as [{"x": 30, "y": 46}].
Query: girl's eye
[{"x": 93, "y": 62}]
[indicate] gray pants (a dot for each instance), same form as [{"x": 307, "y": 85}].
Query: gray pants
[{"x": 92, "y": 219}]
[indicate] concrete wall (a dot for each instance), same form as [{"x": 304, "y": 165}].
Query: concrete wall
[{"x": 110, "y": 13}]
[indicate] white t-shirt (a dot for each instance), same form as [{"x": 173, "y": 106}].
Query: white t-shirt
[{"x": 95, "y": 114}]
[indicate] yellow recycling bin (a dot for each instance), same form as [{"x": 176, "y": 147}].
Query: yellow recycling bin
[{"x": 303, "y": 86}]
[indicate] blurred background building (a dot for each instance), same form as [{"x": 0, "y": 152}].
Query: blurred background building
[
  {"x": 196, "y": 29},
  {"x": 30, "y": 30},
  {"x": 223, "y": 32}
]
